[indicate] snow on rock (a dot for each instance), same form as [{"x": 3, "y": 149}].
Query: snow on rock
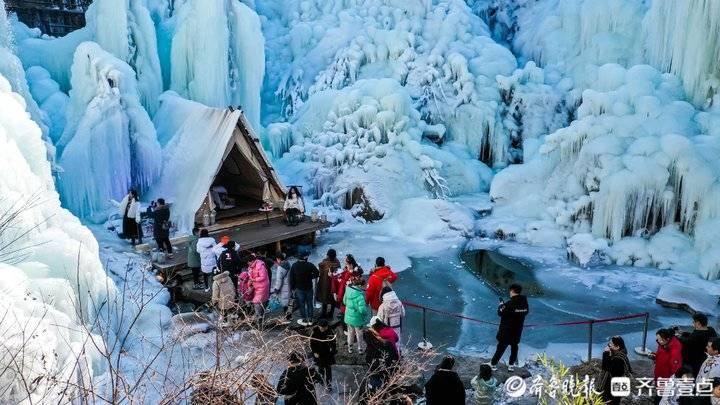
[
  {"x": 691, "y": 299},
  {"x": 50, "y": 264},
  {"x": 634, "y": 161},
  {"x": 584, "y": 246},
  {"x": 108, "y": 134},
  {"x": 424, "y": 219}
]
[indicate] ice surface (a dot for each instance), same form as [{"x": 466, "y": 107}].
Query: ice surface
[
  {"x": 696, "y": 300},
  {"x": 108, "y": 134}
]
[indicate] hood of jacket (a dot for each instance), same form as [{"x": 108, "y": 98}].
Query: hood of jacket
[
  {"x": 383, "y": 272},
  {"x": 206, "y": 242},
  {"x": 491, "y": 383},
  {"x": 390, "y": 296},
  {"x": 223, "y": 277}
]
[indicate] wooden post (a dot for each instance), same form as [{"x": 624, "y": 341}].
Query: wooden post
[{"x": 278, "y": 247}]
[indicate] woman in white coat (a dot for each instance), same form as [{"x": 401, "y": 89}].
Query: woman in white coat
[
  {"x": 294, "y": 207},
  {"x": 129, "y": 208},
  {"x": 208, "y": 261}
]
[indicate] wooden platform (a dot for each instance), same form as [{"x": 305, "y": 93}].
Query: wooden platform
[{"x": 248, "y": 235}]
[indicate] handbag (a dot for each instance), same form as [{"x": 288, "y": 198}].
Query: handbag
[{"x": 275, "y": 304}]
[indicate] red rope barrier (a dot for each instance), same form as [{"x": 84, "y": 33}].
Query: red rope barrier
[{"x": 532, "y": 325}]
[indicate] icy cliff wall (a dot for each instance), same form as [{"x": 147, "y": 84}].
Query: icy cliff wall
[{"x": 109, "y": 144}]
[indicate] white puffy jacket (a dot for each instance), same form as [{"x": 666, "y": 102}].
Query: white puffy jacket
[{"x": 206, "y": 249}]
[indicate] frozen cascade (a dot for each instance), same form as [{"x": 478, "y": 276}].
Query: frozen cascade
[
  {"x": 223, "y": 66},
  {"x": 124, "y": 29},
  {"x": 53, "y": 272},
  {"x": 108, "y": 133},
  {"x": 636, "y": 162},
  {"x": 682, "y": 37}
]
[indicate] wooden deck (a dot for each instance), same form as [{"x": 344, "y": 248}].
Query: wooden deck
[{"x": 248, "y": 235}]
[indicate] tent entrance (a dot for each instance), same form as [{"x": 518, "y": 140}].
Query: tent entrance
[{"x": 237, "y": 188}]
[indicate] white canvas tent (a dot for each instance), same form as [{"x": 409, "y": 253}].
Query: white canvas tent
[{"x": 204, "y": 147}]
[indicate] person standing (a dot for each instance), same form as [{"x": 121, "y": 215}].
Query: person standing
[
  {"x": 615, "y": 363},
  {"x": 668, "y": 357},
  {"x": 228, "y": 259},
  {"x": 281, "y": 282},
  {"x": 297, "y": 382},
  {"x": 355, "y": 313},
  {"x": 223, "y": 294},
  {"x": 341, "y": 280},
  {"x": 302, "y": 274},
  {"x": 710, "y": 368},
  {"x": 208, "y": 260},
  {"x": 324, "y": 348},
  {"x": 193, "y": 258},
  {"x": 512, "y": 318},
  {"x": 381, "y": 275},
  {"x": 161, "y": 227},
  {"x": 445, "y": 386},
  {"x": 385, "y": 332},
  {"x": 381, "y": 358},
  {"x": 261, "y": 287},
  {"x": 323, "y": 291},
  {"x": 694, "y": 343},
  {"x": 391, "y": 311},
  {"x": 130, "y": 211}
]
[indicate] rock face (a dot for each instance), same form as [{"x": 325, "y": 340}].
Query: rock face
[{"x": 688, "y": 299}]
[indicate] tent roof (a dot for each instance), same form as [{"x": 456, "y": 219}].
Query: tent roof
[{"x": 195, "y": 144}]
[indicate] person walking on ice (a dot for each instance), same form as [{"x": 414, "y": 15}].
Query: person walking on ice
[{"x": 512, "y": 318}]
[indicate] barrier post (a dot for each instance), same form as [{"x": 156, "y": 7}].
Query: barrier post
[
  {"x": 590, "y": 339},
  {"x": 424, "y": 345},
  {"x": 645, "y": 331}
]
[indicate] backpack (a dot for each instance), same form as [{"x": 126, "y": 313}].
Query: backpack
[{"x": 228, "y": 261}]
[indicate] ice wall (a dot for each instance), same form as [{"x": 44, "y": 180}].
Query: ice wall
[
  {"x": 217, "y": 55},
  {"x": 108, "y": 134},
  {"x": 637, "y": 165},
  {"x": 682, "y": 37},
  {"x": 50, "y": 267}
]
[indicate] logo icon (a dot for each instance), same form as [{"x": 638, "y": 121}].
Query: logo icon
[
  {"x": 515, "y": 386},
  {"x": 620, "y": 386}
]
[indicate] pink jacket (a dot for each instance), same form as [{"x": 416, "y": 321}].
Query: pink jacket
[{"x": 260, "y": 281}]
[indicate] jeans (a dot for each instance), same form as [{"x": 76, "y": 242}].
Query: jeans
[
  {"x": 354, "y": 334},
  {"x": 501, "y": 346},
  {"x": 305, "y": 302}
]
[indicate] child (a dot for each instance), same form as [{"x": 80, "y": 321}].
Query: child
[
  {"x": 484, "y": 385},
  {"x": 324, "y": 348}
]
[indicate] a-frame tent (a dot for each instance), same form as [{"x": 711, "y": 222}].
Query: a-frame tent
[{"x": 210, "y": 149}]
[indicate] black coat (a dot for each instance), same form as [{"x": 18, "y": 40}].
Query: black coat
[
  {"x": 297, "y": 384},
  {"x": 444, "y": 387},
  {"x": 381, "y": 358},
  {"x": 229, "y": 261},
  {"x": 302, "y": 274},
  {"x": 512, "y": 317},
  {"x": 161, "y": 222},
  {"x": 693, "y": 347},
  {"x": 323, "y": 346}
]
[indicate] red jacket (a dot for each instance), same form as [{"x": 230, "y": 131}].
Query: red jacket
[
  {"x": 668, "y": 360},
  {"x": 339, "y": 282},
  {"x": 375, "y": 285}
]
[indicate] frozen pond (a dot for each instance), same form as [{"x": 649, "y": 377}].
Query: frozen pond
[{"x": 469, "y": 284}]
